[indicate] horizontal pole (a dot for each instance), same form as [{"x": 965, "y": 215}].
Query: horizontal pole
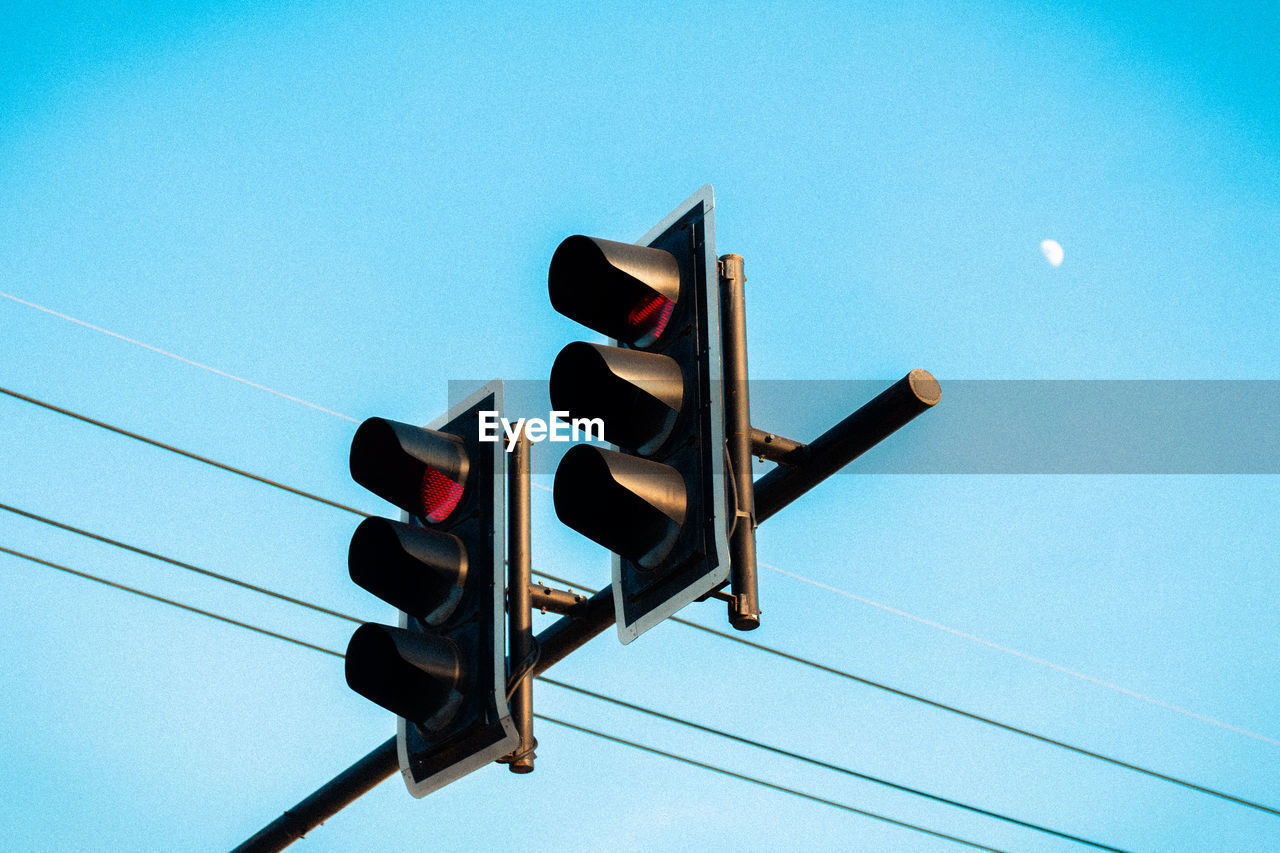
[
  {"x": 847, "y": 440},
  {"x": 557, "y": 641},
  {"x": 587, "y": 619},
  {"x": 335, "y": 795}
]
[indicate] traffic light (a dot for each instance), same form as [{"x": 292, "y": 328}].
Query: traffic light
[
  {"x": 658, "y": 499},
  {"x": 443, "y": 670}
]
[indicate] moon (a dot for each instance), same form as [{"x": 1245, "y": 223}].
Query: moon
[{"x": 1052, "y": 251}]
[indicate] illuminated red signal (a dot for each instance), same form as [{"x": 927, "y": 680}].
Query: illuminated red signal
[
  {"x": 440, "y": 495},
  {"x": 624, "y": 291},
  {"x": 649, "y": 318}
]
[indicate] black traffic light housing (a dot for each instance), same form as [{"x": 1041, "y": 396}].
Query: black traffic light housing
[
  {"x": 658, "y": 498},
  {"x": 443, "y": 670}
]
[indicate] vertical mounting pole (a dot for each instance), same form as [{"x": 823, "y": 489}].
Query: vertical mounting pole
[
  {"x": 744, "y": 608},
  {"x": 520, "y": 604}
]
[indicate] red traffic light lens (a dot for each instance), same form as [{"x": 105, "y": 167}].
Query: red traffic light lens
[
  {"x": 440, "y": 495},
  {"x": 649, "y": 318}
]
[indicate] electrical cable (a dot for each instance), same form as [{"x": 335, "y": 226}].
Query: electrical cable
[
  {"x": 170, "y": 601},
  {"x": 179, "y": 451},
  {"x": 530, "y": 661},
  {"x": 785, "y": 655},
  {"x": 528, "y": 664},
  {"x": 178, "y": 563},
  {"x": 949, "y": 708},
  {"x": 762, "y": 782},
  {"x": 633, "y": 744},
  {"x": 358, "y": 512},
  {"x": 1065, "y": 670},
  {"x": 823, "y": 764},
  {"x": 177, "y": 357},
  {"x": 1116, "y": 688},
  {"x": 1133, "y": 694}
]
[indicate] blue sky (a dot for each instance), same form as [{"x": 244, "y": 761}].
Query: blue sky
[{"x": 355, "y": 205}]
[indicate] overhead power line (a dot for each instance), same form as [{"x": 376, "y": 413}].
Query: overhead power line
[
  {"x": 937, "y": 625},
  {"x": 761, "y": 647},
  {"x": 554, "y": 682},
  {"x": 819, "y": 763},
  {"x": 633, "y": 744},
  {"x": 831, "y": 670},
  {"x": 753, "y": 779},
  {"x": 1057, "y": 667},
  {"x": 177, "y": 357},
  {"x": 187, "y": 566},
  {"x": 1133, "y": 694},
  {"x": 802, "y": 578},
  {"x": 169, "y": 601},
  {"x": 177, "y": 450}
]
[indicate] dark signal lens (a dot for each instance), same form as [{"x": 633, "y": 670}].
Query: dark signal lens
[
  {"x": 649, "y": 318},
  {"x": 440, "y": 495}
]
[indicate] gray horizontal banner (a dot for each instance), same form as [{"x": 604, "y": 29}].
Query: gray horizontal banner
[{"x": 1012, "y": 426}]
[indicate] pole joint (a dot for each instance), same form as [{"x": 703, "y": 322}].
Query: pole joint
[
  {"x": 556, "y": 601},
  {"x": 776, "y": 448}
]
